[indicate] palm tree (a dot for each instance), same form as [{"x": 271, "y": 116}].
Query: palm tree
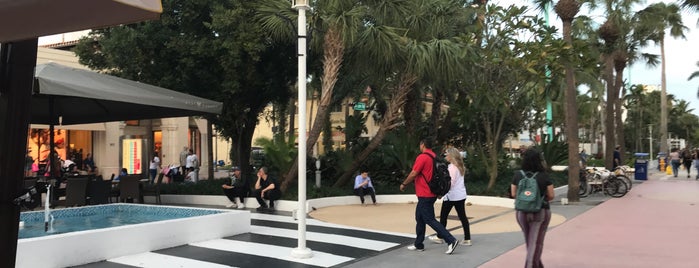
[
  {"x": 567, "y": 10},
  {"x": 339, "y": 22},
  {"x": 428, "y": 52},
  {"x": 654, "y": 20}
]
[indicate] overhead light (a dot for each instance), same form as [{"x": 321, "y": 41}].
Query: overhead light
[{"x": 300, "y": 4}]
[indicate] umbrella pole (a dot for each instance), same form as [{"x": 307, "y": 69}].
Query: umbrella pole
[{"x": 17, "y": 61}]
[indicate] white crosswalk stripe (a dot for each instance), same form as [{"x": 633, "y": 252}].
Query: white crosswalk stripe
[
  {"x": 155, "y": 260},
  {"x": 270, "y": 241},
  {"x": 277, "y": 252},
  {"x": 327, "y": 238}
]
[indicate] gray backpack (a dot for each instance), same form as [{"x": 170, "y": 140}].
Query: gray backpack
[{"x": 528, "y": 197}]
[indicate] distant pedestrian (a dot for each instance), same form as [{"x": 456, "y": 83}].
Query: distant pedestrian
[
  {"x": 183, "y": 160},
  {"x": 583, "y": 159},
  {"x": 695, "y": 158},
  {"x": 456, "y": 197},
  {"x": 675, "y": 161},
  {"x": 89, "y": 163},
  {"x": 424, "y": 211},
  {"x": 687, "y": 161},
  {"x": 154, "y": 165},
  {"x": 192, "y": 164},
  {"x": 236, "y": 189},
  {"x": 617, "y": 157},
  {"x": 363, "y": 186},
  {"x": 266, "y": 188},
  {"x": 534, "y": 224}
]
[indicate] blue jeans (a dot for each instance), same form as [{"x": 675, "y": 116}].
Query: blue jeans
[
  {"x": 675, "y": 167},
  {"x": 424, "y": 215},
  {"x": 153, "y": 173}
]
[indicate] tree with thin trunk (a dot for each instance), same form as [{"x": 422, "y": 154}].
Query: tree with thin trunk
[{"x": 654, "y": 21}]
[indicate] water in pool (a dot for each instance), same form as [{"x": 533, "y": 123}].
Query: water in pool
[{"x": 104, "y": 216}]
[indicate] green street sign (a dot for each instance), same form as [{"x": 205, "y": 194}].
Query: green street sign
[{"x": 359, "y": 106}]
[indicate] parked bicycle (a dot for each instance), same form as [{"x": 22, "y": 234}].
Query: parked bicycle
[{"x": 595, "y": 180}]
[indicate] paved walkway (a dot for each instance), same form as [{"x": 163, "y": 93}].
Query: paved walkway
[
  {"x": 655, "y": 225},
  {"x": 652, "y": 226}
]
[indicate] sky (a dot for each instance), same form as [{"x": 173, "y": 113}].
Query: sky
[{"x": 681, "y": 56}]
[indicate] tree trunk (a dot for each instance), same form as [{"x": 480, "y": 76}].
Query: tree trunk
[
  {"x": 437, "y": 98},
  {"x": 388, "y": 123},
  {"x": 281, "y": 124},
  {"x": 609, "y": 110},
  {"x": 210, "y": 147},
  {"x": 17, "y": 61},
  {"x": 571, "y": 122},
  {"x": 619, "y": 84},
  {"x": 663, "y": 100},
  {"x": 411, "y": 111},
  {"x": 242, "y": 148},
  {"x": 333, "y": 49}
]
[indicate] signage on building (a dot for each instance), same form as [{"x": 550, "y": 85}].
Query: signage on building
[{"x": 131, "y": 155}]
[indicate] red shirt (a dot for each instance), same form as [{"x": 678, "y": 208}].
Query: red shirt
[{"x": 423, "y": 166}]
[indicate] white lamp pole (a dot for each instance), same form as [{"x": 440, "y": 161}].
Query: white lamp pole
[{"x": 302, "y": 252}]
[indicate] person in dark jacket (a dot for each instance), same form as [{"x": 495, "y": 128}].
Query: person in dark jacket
[{"x": 236, "y": 189}]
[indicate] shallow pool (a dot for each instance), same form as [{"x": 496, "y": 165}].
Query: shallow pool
[
  {"x": 94, "y": 233},
  {"x": 105, "y": 216}
]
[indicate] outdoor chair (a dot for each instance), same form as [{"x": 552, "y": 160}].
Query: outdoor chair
[
  {"x": 129, "y": 188},
  {"x": 154, "y": 189},
  {"x": 76, "y": 192},
  {"x": 98, "y": 191}
]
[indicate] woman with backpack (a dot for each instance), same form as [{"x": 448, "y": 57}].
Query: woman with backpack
[
  {"x": 456, "y": 197},
  {"x": 533, "y": 221}
]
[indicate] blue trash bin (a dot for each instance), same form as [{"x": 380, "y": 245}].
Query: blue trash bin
[{"x": 641, "y": 166}]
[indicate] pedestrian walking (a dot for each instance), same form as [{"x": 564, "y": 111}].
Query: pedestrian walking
[
  {"x": 687, "y": 161},
  {"x": 534, "y": 224},
  {"x": 675, "y": 159},
  {"x": 421, "y": 174},
  {"x": 456, "y": 197}
]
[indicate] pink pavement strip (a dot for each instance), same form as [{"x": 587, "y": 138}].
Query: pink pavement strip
[{"x": 654, "y": 225}]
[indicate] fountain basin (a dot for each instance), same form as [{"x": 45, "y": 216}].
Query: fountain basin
[{"x": 139, "y": 228}]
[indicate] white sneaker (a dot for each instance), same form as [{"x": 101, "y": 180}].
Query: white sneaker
[
  {"x": 435, "y": 239},
  {"x": 466, "y": 242},
  {"x": 451, "y": 247},
  {"x": 414, "y": 248},
  {"x": 241, "y": 206},
  {"x": 231, "y": 205}
]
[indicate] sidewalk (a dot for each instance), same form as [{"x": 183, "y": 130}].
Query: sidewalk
[{"x": 654, "y": 225}]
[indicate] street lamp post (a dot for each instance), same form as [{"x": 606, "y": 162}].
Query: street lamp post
[{"x": 301, "y": 252}]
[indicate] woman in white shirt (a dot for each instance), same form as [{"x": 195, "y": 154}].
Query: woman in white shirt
[
  {"x": 456, "y": 196},
  {"x": 153, "y": 168}
]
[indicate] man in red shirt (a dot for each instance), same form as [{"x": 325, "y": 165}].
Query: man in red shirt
[{"x": 424, "y": 211}]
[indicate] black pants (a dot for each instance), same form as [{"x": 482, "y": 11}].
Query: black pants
[
  {"x": 361, "y": 192},
  {"x": 235, "y": 192},
  {"x": 460, "y": 210},
  {"x": 271, "y": 195}
]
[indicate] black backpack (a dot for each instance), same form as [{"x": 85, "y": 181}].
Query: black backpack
[{"x": 440, "y": 184}]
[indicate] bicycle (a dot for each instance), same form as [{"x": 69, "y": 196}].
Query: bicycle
[{"x": 603, "y": 181}]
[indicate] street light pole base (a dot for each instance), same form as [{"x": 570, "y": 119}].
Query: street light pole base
[{"x": 301, "y": 253}]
